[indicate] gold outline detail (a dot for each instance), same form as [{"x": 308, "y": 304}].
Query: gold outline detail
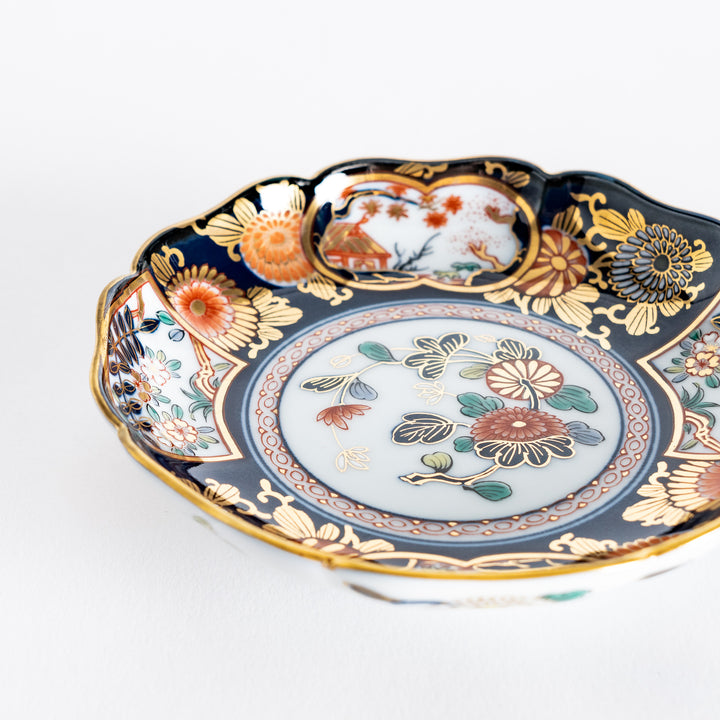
[
  {"x": 330, "y": 561},
  {"x": 329, "y": 271},
  {"x": 145, "y": 278},
  {"x": 679, "y": 416}
]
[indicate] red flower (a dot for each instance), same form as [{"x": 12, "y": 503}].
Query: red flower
[
  {"x": 517, "y": 424},
  {"x": 338, "y": 415},
  {"x": 453, "y": 203},
  {"x": 513, "y": 436},
  {"x": 435, "y": 219}
]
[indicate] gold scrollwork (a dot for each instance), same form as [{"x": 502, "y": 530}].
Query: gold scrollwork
[
  {"x": 324, "y": 288},
  {"x": 421, "y": 170},
  {"x": 517, "y": 178}
]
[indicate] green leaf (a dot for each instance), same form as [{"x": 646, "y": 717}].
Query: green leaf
[
  {"x": 571, "y": 397},
  {"x": 165, "y": 318},
  {"x": 678, "y": 361},
  {"x": 491, "y": 490},
  {"x": 325, "y": 383},
  {"x": 673, "y": 369},
  {"x": 475, "y": 405},
  {"x": 475, "y": 372},
  {"x": 695, "y": 335},
  {"x": 177, "y": 411},
  {"x": 152, "y": 412},
  {"x": 376, "y": 351},
  {"x": 689, "y": 445},
  {"x": 424, "y": 428},
  {"x": 439, "y": 461},
  {"x": 464, "y": 444},
  {"x": 173, "y": 365},
  {"x": 712, "y": 381}
]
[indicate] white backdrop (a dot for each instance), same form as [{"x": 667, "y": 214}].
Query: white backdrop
[{"x": 118, "y": 599}]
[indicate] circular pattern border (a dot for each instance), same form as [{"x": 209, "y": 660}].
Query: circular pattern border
[{"x": 266, "y": 429}]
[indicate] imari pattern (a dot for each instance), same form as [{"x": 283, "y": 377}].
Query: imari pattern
[{"x": 407, "y": 364}]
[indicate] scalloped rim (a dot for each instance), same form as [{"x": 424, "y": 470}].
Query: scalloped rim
[{"x": 338, "y": 561}]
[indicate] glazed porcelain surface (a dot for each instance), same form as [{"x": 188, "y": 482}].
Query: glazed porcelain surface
[{"x": 436, "y": 371}]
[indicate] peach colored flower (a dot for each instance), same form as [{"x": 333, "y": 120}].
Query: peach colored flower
[
  {"x": 703, "y": 364},
  {"x": 524, "y": 379},
  {"x": 174, "y": 433}
]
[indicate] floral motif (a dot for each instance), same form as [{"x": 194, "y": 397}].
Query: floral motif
[
  {"x": 213, "y": 305},
  {"x": 652, "y": 266},
  {"x": 691, "y": 371},
  {"x": 269, "y": 240},
  {"x": 473, "y": 221},
  {"x": 524, "y": 379},
  {"x": 508, "y": 436},
  {"x": 560, "y": 266},
  {"x": 174, "y": 433},
  {"x": 708, "y": 343},
  {"x": 702, "y": 364},
  {"x": 158, "y": 396},
  {"x": 155, "y": 370},
  {"x": 513, "y": 436},
  {"x": 556, "y": 279},
  {"x": 338, "y": 415},
  {"x": 297, "y": 525},
  {"x": 672, "y": 497}
]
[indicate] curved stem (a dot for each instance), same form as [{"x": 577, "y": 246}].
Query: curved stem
[
  {"x": 534, "y": 402},
  {"x": 468, "y": 480}
]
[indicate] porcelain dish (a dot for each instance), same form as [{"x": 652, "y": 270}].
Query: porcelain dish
[{"x": 465, "y": 382}]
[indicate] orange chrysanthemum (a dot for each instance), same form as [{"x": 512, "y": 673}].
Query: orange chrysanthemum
[
  {"x": 204, "y": 306},
  {"x": 213, "y": 305},
  {"x": 559, "y": 267},
  {"x": 271, "y": 246}
]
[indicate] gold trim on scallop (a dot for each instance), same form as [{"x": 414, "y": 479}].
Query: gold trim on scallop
[
  {"x": 337, "y": 561},
  {"x": 533, "y": 246},
  {"x": 145, "y": 278},
  {"x": 340, "y": 561},
  {"x": 677, "y": 408}
]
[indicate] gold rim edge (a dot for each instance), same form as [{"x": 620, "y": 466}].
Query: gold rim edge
[{"x": 334, "y": 561}]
